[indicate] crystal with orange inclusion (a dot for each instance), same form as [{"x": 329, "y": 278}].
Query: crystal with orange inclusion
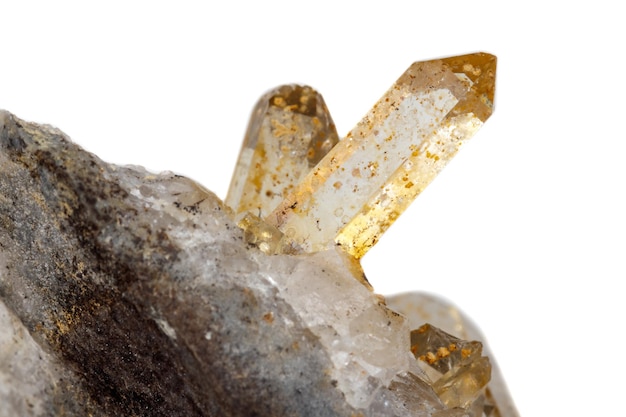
[
  {"x": 290, "y": 131},
  {"x": 370, "y": 177}
]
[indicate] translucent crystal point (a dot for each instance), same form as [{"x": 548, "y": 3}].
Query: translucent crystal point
[
  {"x": 462, "y": 371},
  {"x": 370, "y": 177},
  {"x": 290, "y": 131},
  {"x": 419, "y": 308}
]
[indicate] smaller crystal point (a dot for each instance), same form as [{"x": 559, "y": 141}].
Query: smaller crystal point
[
  {"x": 419, "y": 308},
  {"x": 461, "y": 372},
  {"x": 442, "y": 351},
  {"x": 290, "y": 131}
]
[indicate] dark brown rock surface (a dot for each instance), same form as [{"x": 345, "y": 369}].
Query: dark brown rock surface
[
  {"x": 124, "y": 292},
  {"x": 106, "y": 314}
]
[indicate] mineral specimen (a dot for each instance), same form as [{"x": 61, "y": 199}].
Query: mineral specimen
[{"x": 124, "y": 292}]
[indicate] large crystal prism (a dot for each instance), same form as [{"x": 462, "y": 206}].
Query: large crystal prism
[{"x": 370, "y": 177}]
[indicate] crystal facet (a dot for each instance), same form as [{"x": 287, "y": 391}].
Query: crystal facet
[
  {"x": 459, "y": 372},
  {"x": 370, "y": 177}
]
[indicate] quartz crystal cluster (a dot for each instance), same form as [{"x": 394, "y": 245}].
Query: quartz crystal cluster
[
  {"x": 361, "y": 185},
  {"x": 124, "y": 292},
  {"x": 297, "y": 190}
]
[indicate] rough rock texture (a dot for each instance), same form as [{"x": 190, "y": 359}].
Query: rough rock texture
[{"x": 123, "y": 292}]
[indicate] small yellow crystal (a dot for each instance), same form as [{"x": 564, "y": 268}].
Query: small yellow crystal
[
  {"x": 290, "y": 131},
  {"x": 456, "y": 367}
]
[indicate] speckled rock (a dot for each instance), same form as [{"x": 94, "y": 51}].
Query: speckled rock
[{"x": 124, "y": 292}]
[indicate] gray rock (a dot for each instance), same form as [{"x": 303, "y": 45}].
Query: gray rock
[{"x": 124, "y": 292}]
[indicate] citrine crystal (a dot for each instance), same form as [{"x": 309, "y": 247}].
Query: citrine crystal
[
  {"x": 289, "y": 132},
  {"x": 458, "y": 370},
  {"x": 427, "y": 344},
  {"x": 370, "y": 177}
]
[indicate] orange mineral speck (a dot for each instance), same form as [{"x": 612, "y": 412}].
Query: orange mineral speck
[{"x": 268, "y": 317}]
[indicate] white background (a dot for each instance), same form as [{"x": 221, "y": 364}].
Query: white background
[{"x": 525, "y": 229}]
